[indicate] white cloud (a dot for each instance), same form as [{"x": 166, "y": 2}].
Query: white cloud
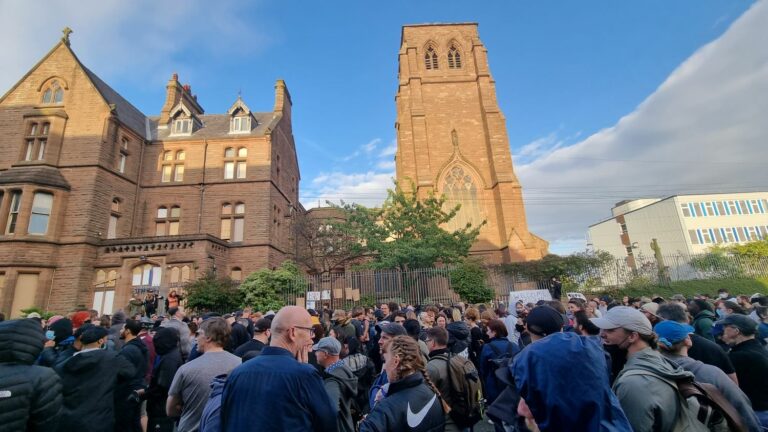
[
  {"x": 368, "y": 188},
  {"x": 371, "y": 145},
  {"x": 389, "y": 150},
  {"x": 702, "y": 130},
  {"x": 386, "y": 165},
  {"x": 118, "y": 39}
]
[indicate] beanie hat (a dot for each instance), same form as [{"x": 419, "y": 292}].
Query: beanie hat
[
  {"x": 544, "y": 320},
  {"x": 62, "y": 329}
]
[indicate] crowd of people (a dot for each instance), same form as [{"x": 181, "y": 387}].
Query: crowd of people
[{"x": 580, "y": 364}]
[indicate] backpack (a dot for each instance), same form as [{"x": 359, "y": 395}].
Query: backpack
[
  {"x": 704, "y": 406},
  {"x": 465, "y": 395},
  {"x": 502, "y": 359}
]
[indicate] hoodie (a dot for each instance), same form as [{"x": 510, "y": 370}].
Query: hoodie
[
  {"x": 167, "y": 362},
  {"x": 63, "y": 350},
  {"x": 210, "y": 421},
  {"x": 703, "y": 322},
  {"x": 712, "y": 375},
  {"x": 35, "y": 391},
  {"x": 563, "y": 399},
  {"x": 458, "y": 338},
  {"x": 650, "y": 403},
  {"x": 341, "y": 385}
]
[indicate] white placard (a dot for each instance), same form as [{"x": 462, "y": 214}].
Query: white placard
[
  {"x": 310, "y": 304},
  {"x": 576, "y": 295},
  {"x": 326, "y": 295},
  {"x": 528, "y": 296},
  {"x": 313, "y": 296}
]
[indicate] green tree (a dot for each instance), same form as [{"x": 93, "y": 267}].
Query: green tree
[
  {"x": 212, "y": 294},
  {"x": 408, "y": 232},
  {"x": 718, "y": 263},
  {"x": 267, "y": 289},
  {"x": 574, "y": 270},
  {"x": 468, "y": 280}
]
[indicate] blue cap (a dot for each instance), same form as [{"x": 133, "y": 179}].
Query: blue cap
[{"x": 672, "y": 332}]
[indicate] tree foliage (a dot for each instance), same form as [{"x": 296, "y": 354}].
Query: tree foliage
[
  {"x": 267, "y": 289},
  {"x": 468, "y": 280},
  {"x": 561, "y": 266},
  {"x": 212, "y": 294},
  {"x": 408, "y": 232}
]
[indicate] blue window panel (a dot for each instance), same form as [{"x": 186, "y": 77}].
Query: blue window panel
[
  {"x": 727, "y": 209},
  {"x": 738, "y": 206},
  {"x": 722, "y": 233},
  {"x": 736, "y": 234},
  {"x": 703, "y": 209},
  {"x": 714, "y": 208},
  {"x": 712, "y": 235},
  {"x": 749, "y": 207},
  {"x": 698, "y": 234},
  {"x": 760, "y": 206},
  {"x": 690, "y": 207}
]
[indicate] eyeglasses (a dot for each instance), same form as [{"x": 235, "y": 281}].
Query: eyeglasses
[{"x": 310, "y": 329}]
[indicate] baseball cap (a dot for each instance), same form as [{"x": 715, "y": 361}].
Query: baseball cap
[
  {"x": 328, "y": 345},
  {"x": 650, "y": 307},
  {"x": 624, "y": 317},
  {"x": 745, "y": 324},
  {"x": 672, "y": 332},
  {"x": 262, "y": 325},
  {"x": 544, "y": 320},
  {"x": 34, "y": 315},
  {"x": 678, "y": 297},
  {"x": 92, "y": 334}
]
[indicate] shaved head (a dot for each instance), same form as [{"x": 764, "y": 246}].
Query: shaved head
[
  {"x": 292, "y": 330},
  {"x": 288, "y": 317}
]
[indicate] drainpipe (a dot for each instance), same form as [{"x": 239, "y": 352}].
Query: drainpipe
[
  {"x": 50, "y": 291},
  {"x": 202, "y": 190}
]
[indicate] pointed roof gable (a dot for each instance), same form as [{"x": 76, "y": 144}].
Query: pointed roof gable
[
  {"x": 129, "y": 115},
  {"x": 239, "y": 104}
]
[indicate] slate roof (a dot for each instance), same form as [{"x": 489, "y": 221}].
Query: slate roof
[
  {"x": 34, "y": 174},
  {"x": 214, "y": 126},
  {"x": 126, "y": 112}
]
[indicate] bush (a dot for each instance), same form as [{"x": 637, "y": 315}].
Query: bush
[
  {"x": 468, "y": 280},
  {"x": 212, "y": 294},
  {"x": 266, "y": 289}
]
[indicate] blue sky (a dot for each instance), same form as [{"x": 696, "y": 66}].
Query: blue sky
[{"x": 564, "y": 72}]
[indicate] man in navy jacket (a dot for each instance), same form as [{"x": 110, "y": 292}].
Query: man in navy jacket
[{"x": 277, "y": 390}]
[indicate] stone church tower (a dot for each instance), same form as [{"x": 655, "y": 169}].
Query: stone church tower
[{"x": 452, "y": 138}]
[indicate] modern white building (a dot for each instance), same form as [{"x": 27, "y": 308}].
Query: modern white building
[{"x": 681, "y": 224}]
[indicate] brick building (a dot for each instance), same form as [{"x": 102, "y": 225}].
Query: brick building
[
  {"x": 98, "y": 200},
  {"x": 452, "y": 138}
]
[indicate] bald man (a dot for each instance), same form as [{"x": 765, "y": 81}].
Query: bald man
[{"x": 278, "y": 390}]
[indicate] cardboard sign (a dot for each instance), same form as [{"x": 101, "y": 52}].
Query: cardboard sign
[
  {"x": 300, "y": 301},
  {"x": 528, "y": 296},
  {"x": 576, "y": 295},
  {"x": 313, "y": 296}
]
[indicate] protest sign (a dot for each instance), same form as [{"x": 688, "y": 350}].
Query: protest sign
[
  {"x": 528, "y": 296},
  {"x": 313, "y": 296},
  {"x": 575, "y": 295}
]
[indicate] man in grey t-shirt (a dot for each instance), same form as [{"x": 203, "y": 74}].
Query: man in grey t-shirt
[{"x": 192, "y": 383}]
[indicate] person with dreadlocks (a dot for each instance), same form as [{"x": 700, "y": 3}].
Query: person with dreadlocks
[{"x": 410, "y": 402}]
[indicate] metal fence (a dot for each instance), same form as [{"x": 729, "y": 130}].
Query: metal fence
[{"x": 433, "y": 285}]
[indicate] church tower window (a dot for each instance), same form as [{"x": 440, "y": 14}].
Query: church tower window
[
  {"x": 54, "y": 94},
  {"x": 430, "y": 58},
  {"x": 459, "y": 188},
  {"x": 454, "y": 57}
]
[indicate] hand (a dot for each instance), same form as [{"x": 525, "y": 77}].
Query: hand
[
  {"x": 302, "y": 355},
  {"x": 49, "y": 344}
]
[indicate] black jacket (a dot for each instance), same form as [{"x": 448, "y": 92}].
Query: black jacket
[
  {"x": 341, "y": 385},
  {"x": 31, "y": 395},
  {"x": 238, "y": 337},
  {"x": 167, "y": 362},
  {"x": 137, "y": 354},
  {"x": 750, "y": 359},
  {"x": 88, "y": 382},
  {"x": 410, "y": 405}
]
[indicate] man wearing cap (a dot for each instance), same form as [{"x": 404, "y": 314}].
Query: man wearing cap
[
  {"x": 89, "y": 380},
  {"x": 674, "y": 342},
  {"x": 340, "y": 382},
  {"x": 260, "y": 339},
  {"x": 542, "y": 321},
  {"x": 388, "y": 332},
  {"x": 649, "y": 310},
  {"x": 750, "y": 359},
  {"x": 646, "y": 386}
]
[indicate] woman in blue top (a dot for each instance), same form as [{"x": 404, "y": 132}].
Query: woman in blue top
[{"x": 492, "y": 356}]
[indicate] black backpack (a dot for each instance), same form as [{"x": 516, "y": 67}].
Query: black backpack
[
  {"x": 502, "y": 359},
  {"x": 465, "y": 395}
]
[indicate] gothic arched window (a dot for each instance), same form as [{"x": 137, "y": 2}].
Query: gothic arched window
[
  {"x": 430, "y": 58},
  {"x": 454, "y": 57},
  {"x": 53, "y": 94},
  {"x": 459, "y": 188}
]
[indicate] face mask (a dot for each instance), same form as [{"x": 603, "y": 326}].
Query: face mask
[
  {"x": 721, "y": 313},
  {"x": 50, "y": 335},
  {"x": 723, "y": 295}
]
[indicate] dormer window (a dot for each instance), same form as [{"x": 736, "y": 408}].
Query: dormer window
[
  {"x": 182, "y": 126},
  {"x": 240, "y": 124}
]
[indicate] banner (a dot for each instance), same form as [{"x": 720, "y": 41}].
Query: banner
[
  {"x": 528, "y": 296},
  {"x": 576, "y": 295}
]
